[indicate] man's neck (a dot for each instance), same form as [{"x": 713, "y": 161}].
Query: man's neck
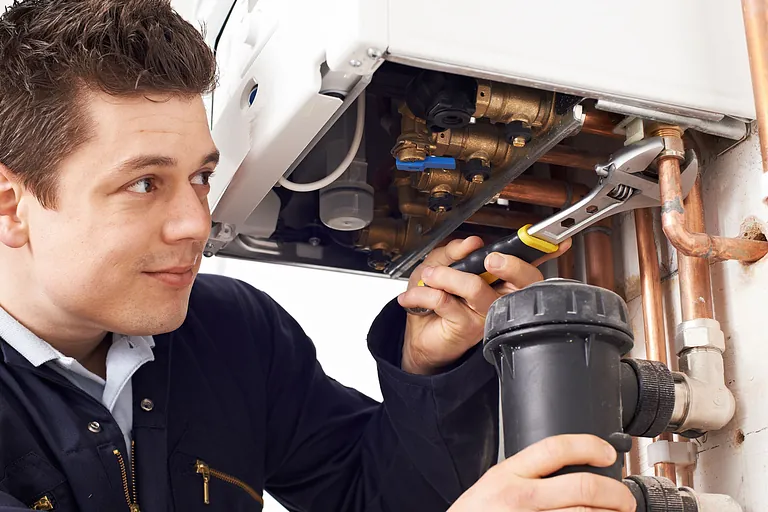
[{"x": 55, "y": 327}]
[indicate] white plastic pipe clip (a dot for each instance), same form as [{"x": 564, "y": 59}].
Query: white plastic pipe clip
[{"x": 671, "y": 452}]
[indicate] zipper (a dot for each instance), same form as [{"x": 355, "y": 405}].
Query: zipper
[
  {"x": 133, "y": 504},
  {"x": 207, "y": 472},
  {"x": 43, "y": 503}
]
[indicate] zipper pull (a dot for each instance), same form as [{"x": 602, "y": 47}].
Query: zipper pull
[
  {"x": 43, "y": 503},
  {"x": 133, "y": 507},
  {"x": 202, "y": 469}
]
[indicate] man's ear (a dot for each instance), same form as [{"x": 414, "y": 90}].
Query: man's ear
[{"x": 13, "y": 229}]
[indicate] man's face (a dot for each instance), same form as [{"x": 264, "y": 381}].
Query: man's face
[{"x": 123, "y": 246}]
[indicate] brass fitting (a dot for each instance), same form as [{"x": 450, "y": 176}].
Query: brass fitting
[
  {"x": 518, "y": 142},
  {"x": 505, "y": 103},
  {"x": 390, "y": 236},
  {"x": 444, "y": 180},
  {"x": 415, "y": 141},
  {"x": 673, "y": 140},
  {"x": 482, "y": 141}
]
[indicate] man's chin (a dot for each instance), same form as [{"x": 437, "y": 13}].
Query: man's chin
[{"x": 155, "y": 321}]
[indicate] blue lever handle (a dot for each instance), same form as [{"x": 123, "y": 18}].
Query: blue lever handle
[{"x": 431, "y": 162}]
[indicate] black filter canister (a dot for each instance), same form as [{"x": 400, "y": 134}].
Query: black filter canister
[{"x": 557, "y": 347}]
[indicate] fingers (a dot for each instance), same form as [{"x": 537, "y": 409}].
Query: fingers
[
  {"x": 517, "y": 272},
  {"x": 554, "y": 453},
  {"x": 564, "y": 246},
  {"x": 477, "y": 294},
  {"x": 593, "y": 492},
  {"x": 442, "y": 303},
  {"x": 513, "y": 270},
  {"x": 454, "y": 251}
]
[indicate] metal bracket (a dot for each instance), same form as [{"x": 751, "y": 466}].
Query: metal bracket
[
  {"x": 221, "y": 235},
  {"x": 725, "y": 127}
]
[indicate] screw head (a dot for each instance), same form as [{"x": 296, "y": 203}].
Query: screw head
[
  {"x": 94, "y": 427},
  {"x": 207, "y": 254},
  {"x": 355, "y": 63},
  {"x": 147, "y": 404},
  {"x": 314, "y": 241},
  {"x": 518, "y": 142},
  {"x": 374, "y": 53}
]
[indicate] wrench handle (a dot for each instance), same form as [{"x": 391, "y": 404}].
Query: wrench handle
[{"x": 521, "y": 245}]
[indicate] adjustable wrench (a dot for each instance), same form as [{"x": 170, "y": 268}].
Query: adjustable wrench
[{"x": 623, "y": 185}]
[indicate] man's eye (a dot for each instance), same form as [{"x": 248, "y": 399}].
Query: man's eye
[
  {"x": 143, "y": 186},
  {"x": 202, "y": 179}
]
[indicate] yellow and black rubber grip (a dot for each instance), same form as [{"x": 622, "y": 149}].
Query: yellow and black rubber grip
[{"x": 521, "y": 245}]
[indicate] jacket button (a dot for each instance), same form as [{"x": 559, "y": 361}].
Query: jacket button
[
  {"x": 94, "y": 427},
  {"x": 147, "y": 404}
]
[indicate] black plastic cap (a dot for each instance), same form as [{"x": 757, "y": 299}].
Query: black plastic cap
[
  {"x": 557, "y": 301},
  {"x": 517, "y": 129},
  {"x": 443, "y": 100},
  {"x": 441, "y": 201},
  {"x": 476, "y": 167}
]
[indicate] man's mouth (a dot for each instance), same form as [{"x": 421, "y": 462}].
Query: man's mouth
[{"x": 177, "y": 277}]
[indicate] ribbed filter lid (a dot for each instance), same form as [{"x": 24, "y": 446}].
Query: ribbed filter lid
[{"x": 557, "y": 301}]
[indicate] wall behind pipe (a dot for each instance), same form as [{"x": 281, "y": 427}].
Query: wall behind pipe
[{"x": 733, "y": 460}]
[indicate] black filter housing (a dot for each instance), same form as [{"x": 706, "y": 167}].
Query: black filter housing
[{"x": 557, "y": 347}]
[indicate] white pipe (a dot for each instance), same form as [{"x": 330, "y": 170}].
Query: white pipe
[
  {"x": 344, "y": 165},
  {"x": 702, "y": 400}
]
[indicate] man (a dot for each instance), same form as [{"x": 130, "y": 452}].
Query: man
[{"x": 129, "y": 383}]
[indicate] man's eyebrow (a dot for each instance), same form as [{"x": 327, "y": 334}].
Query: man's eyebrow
[
  {"x": 211, "y": 158},
  {"x": 137, "y": 163},
  {"x": 143, "y": 161}
]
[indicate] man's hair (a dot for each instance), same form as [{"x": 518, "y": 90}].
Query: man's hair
[{"x": 53, "y": 52}]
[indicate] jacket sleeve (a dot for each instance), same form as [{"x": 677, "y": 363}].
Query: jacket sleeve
[
  {"x": 332, "y": 448},
  {"x": 10, "y": 504}
]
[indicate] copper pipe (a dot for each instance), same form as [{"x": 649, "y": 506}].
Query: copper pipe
[
  {"x": 666, "y": 469},
  {"x": 695, "y": 284},
  {"x": 598, "y": 122},
  {"x": 697, "y": 244},
  {"x": 653, "y": 307},
  {"x": 650, "y": 283},
  {"x": 695, "y": 279},
  {"x": 498, "y": 218},
  {"x": 566, "y": 265},
  {"x": 756, "y": 25},
  {"x": 598, "y": 252},
  {"x": 570, "y": 157},
  {"x": 543, "y": 192}
]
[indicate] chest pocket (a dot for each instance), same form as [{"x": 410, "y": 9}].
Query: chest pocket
[
  {"x": 200, "y": 484},
  {"x": 36, "y": 483},
  {"x": 211, "y": 472}
]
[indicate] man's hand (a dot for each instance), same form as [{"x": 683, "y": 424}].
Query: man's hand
[
  {"x": 460, "y": 302},
  {"x": 518, "y": 483}
]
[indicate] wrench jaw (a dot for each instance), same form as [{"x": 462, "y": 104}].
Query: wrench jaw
[
  {"x": 689, "y": 173},
  {"x": 621, "y": 188},
  {"x": 634, "y": 158}
]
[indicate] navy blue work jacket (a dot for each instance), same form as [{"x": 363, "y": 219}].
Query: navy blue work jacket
[{"x": 235, "y": 403}]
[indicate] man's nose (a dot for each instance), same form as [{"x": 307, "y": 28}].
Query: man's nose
[{"x": 189, "y": 219}]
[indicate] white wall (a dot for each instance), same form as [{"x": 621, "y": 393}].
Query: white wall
[{"x": 335, "y": 309}]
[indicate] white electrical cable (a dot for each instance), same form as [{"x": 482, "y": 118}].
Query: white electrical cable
[{"x": 344, "y": 165}]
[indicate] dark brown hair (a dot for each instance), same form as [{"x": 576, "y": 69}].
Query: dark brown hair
[{"x": 53, "y": 51}]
